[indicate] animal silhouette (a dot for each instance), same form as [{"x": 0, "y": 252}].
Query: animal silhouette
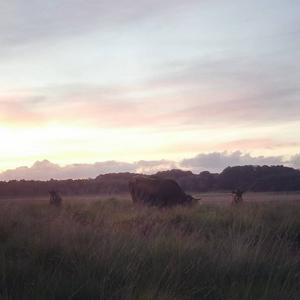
[
  {"x": 158, "y": 192},
  {"x": 55, "y": 198}
]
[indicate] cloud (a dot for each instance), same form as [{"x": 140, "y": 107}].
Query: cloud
[
  {"x": 197, "y": 76},
  {"x": 217, "y": 161},
  {"x": 213, "y": 162},
  {"x": 31, "y": 21},
  {"x": 228, "y": 90},
  {"x": 100, "y": 106},
  {"x": 252, "y": 102},
  {"x": 295, "y": 161},
  {"x": 216, "y": 86},
  {"x": 154, "y": 166},
  {"x": 20, "y": 109},
  {"x": 45, "y": 170}
]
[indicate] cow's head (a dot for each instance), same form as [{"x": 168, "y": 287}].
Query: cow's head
[{"x": 191, "y": 200}]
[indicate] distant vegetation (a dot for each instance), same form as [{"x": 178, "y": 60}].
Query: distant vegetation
[
  {"x": 249, "y": 178},
  {"x": 111, "y": 249}
]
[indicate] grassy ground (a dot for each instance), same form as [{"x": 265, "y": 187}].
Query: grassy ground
[{"x": 109, "y": 249}]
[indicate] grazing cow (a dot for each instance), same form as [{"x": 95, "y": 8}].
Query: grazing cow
[
  {"x": 158, "y": 192},
  {"x": 237, "y": 196},
  {"x": 55, "y": 198}
]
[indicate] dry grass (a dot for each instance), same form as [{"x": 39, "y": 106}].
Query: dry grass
[{"x": 109, "y": 249}]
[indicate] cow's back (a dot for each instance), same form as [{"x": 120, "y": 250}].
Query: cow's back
[{"x": 156, "y": 191}]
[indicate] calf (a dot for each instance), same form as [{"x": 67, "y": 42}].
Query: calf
[{"x": 55, "y": 198}]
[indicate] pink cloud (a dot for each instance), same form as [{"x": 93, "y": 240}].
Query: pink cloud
[
  {"x": 252, "y": 144},
  {"x": 141, "y": 107},
  {"x": 16, "y": 111}
]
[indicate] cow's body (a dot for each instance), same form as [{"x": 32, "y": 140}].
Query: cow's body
[{"x": 158, "y": 192}]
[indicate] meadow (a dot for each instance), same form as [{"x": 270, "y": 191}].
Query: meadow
[{"x": 97, "y": 248}]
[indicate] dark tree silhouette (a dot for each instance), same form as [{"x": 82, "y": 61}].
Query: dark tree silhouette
[{"x": 247, "y": 178}]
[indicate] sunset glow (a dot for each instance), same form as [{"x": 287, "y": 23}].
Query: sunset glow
[{"x": 92, "y": 81}]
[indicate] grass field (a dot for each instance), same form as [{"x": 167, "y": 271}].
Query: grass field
[{"x": 94, "y": 248}]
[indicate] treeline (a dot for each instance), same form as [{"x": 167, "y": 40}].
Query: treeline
[
  {"x": 248, "y": 178},
  {"x": 108, "y": 184}
]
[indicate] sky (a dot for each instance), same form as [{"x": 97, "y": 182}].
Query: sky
[{"x": 147, "y": 85}]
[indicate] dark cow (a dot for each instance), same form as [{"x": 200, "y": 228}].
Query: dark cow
[
  {"x": 55, "y": 198},
  {"x": 158, "y": 192}
]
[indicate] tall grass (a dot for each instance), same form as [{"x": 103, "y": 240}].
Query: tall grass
[{"x": 114, "y": 250}]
